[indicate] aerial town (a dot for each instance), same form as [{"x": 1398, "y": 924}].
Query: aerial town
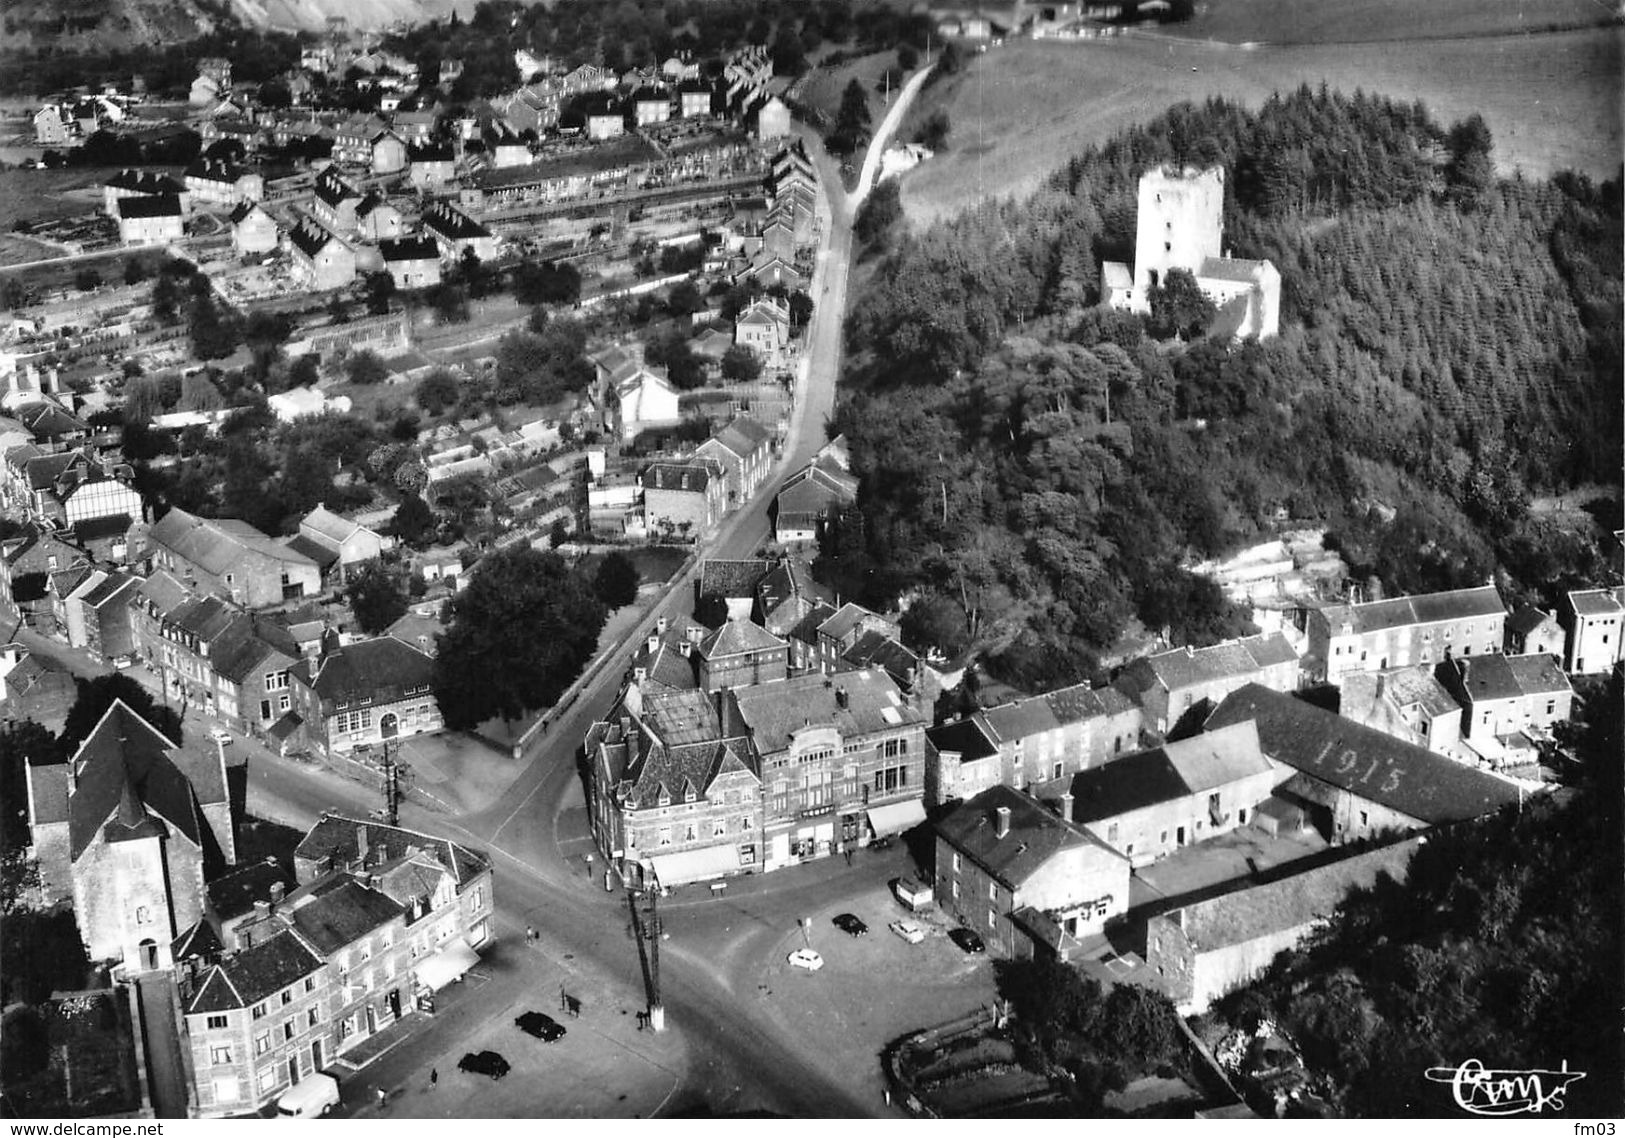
[{"x": 689, "y": 561}]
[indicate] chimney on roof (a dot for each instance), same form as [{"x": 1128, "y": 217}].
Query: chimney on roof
[
  {"x": 660, "y": 625},
  {"x": 654, "y": 643},
  {"x": 1065, "y": 803},
  {"x": 361, "y": 843},
  {"x": 278, "y": 891},
  {"x": 842, "y": 700},
  {"x": 262, "y": 910},
  {"x": 1001, "y": 822}
]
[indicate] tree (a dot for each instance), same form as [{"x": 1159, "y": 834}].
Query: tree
[
  {"x": 135, "y": 271},
  {"x": 881, "y": 210},
  {"x": 907, "y": 58},
  {"x": 616, "y": 580},
  {"x": 669, "y": 349},
  {"x": 933, "y": 132},
  {"x": 380, "y": 289},
  {"x": 376, "y": 599},
  {"x": 1471, "y": 171},
  {"x": 365, "y": 368},
  {"x": 740, "y": 364},
  {"x": 437, "y": 391},
  {"x": 414, "y": 522},
  {"x": 304, "y": 371},
  {"x": 519, "y": 635},
  {"x": 1179, "y": 307},
  {"x": 87, "y": 280},
  {"x": 96, "y": 695}
]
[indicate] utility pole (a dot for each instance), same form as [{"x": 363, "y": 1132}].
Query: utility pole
[
  {"x": 392, "y": 786},
  {"x": 649, "y": 930}
]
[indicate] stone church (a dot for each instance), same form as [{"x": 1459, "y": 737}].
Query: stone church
[{"x": 127, "y": 829}]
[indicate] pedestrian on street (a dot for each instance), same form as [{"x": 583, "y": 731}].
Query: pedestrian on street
[
  {"x": 383, "y": 1098},
  {"x": 434, "y": 1077},
  {"x": 530, "y": 934}
]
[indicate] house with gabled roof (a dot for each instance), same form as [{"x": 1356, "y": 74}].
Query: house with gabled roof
[
  {"x": 252, "y": 229},
  {"x": 150, "y": 220},
  {"x": 1028, "y": 882},
  {"x": 676, "y": 800},
  {"x": 129, "y": 183},
  {"x": 745, "y": 449},
  {"x": 321, "y": 260},
  {"x": 363, "y": 694},
  {"x": 388, "y": 152},
  {"x": 786, "y": 593},
  {"x": 26, "y": 565},
  {"x": 1530, "y": 630},
  {"x": 666, "y": 661},
  {"x": 1408, "y": 703},
  {"x": 1509, "y": 703},
  {"x": 726, "y": 588},
  {"x": 1168, "y": 684},
  {"x": 377, "y": 219},
  {"x": 1373, "y": 635},
  {"x": 431, "y": 165},
  {"x": 413, "y": 262},
  {"x": 684, "y": 496},
  {"x": 810, "y": 495},
  {"x": 127, "y": 828},
  {"x": 740, "y": 654},
  {"x": 842, "y": 760},
  {"x": 334, "y": 201},
  {"x": 1359, "y": 782},
  {"x": 1153, "y": 803},
  {"x": 98, "y": 616},
  {"x": 231, "y": 559},
  {"x": 456, "y": 233},
  {"x": 351, "y": 544},
  {"x": 214, "y": 182}
]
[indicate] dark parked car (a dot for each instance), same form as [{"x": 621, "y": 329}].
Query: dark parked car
[
  {"x": 543, "y": 1027},
  {"x": 484, "y": 1063},
  {"x": 851, "y": 925},
  {"x": 967, "y": 940}
]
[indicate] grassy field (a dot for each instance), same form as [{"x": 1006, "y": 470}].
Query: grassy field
[
  {"x": 1551, "y": 100},
  {"x": 39, "y": 195},
  {"x": 1364, "y": 21}
]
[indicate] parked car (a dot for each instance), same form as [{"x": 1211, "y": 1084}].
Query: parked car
[
  {"x": 967, "y": 940},
  {"x": 220, "y": 735},
  {"x": 851, "y": 925},
  {"x": 314, "y": 1095},
  {"x": 543, "y": 1027},
  {"x": 484, "y": 1063},
  {"x": 806, "y": 958},
  {"x": 908, "y": 930}
]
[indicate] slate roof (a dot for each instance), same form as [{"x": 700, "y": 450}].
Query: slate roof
[
  {"x": 307, "y": 546},
  {"x": 239, "y": 653},
  {"x": 731, "y": 579},
  {"x": 1493, "y": 677},
  {"x": 743, "y": 437},
  {"x": 1167, "y": 773},
  {"x": 1414, "y": 686},
  {"x": 410, "y": 249},
  {"x": 1363, "y": 761},
  {"x": 1256, "y": 911},
  {"x": 1402, "y": 612},
  {"x": 790, "y": 579},
  {"x": 692, "y": 475},
  {"x": 160, "y": 205},
  {"x": 380, "y": 669},
  {"x": 47, "y": 785},
  {"x": 806, "y": 629},
  {"x": 965, "y": 738},
  {"x": 1597, "y": 602},
  {"x": 310, "y": 238},
  {"x": 736, "y": 637},
  {"x": 249, "y": 976},
  {"x": 1187, "y": 667},
  {"x": 145, "y": 182},
  {"x": 666, "y": 668},
  {"x": 341, "y": 912},
  {"x": 774, "y": 711},
  {"x": 125, "y": 757},
  {"x": 333, "y": 190},
  {"x": 334, "y": 835},
  {"x": 215, "y": 544},
  {"x": 431, "y": 153},
  {"x": 116, "y": 586},
  {"x": 1035, "y": 835},
  {"x": 233, "y": 894},
  {"x": 452, "y": 223},
  {"x": 1231, "y": 269},
  {"x": 1526, "y": 620},
  {"x": 677, "y": 771},
  {"x": 881, "y": 651},
  {"x": 846, "y": 618},
  {"x": 166, "y": 591}
]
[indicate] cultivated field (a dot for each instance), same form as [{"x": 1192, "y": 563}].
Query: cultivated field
[
  {"x": 1017, "y": 112},
  {"x": 40, "y": 195},
  {"x": 1364, "y": 21}
]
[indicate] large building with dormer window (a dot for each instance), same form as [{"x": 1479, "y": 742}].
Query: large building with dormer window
[{"x": 363, "y": 694}]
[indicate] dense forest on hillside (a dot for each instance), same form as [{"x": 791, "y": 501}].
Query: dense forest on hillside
[
  {"x": 1035, "y": 469},
  {"x": 1503, "y": 945}
]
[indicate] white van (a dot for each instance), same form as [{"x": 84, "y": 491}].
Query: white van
[{"x": 314, "y": 1095}]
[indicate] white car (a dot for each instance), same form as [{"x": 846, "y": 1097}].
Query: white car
[
  {"x": 806, "y": 958},
  {"x": 220, "y": 735},
  {"x": 908, "y": 930}
]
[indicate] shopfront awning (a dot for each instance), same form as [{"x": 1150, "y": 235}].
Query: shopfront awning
[
  {"x": 696, "y": 865},
  {"x": 449, "y": 964},
  {"x": 897, "y": 817}
]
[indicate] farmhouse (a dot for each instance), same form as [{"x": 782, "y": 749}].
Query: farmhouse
[
  {"x": 1373, "y": 635},
  {"x": 150, "y": 220},
  {"x": 252, "y": 229},
  {"x": 320, "y": 259}
]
